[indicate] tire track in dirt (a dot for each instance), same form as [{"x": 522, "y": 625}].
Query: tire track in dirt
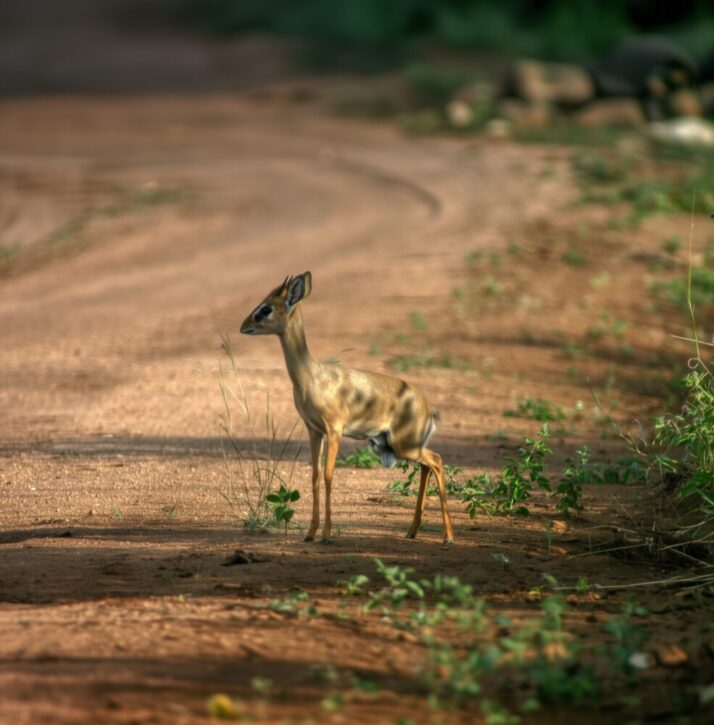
[{"x": 425, "y": 197}]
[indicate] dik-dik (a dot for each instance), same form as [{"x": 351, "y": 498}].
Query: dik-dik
[{"x": 333, "y": 400}]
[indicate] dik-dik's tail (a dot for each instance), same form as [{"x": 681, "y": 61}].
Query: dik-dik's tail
[{"x": 430, "y": 427}]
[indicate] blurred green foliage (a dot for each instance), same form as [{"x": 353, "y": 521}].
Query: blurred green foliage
[{"x": 380, "y": 31}]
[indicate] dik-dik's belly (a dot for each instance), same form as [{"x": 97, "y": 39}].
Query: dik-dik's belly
[{"x": 320, "y": 418}]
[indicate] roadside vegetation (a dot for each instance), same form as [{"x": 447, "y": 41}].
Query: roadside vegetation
[
  {"x": 369, "y": 34},
  {"x": 469, "y": 659}
]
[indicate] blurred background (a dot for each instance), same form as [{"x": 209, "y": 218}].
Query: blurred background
[{"x": 111, "y": 45}]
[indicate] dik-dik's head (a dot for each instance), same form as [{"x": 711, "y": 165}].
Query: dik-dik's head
[{"x": 271, "y": 316}]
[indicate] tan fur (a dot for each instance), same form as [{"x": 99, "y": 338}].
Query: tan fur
[{"x": 334, "y": 400}]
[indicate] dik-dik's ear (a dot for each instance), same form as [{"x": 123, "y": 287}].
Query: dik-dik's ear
[{"x": 298, "y": 289}]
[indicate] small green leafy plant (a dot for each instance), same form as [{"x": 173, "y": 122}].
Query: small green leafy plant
[
  {"x": 353, "y": 585},
  {"x": 362, "y": 458},
  {"x": 570, "y": 488},
  {"x": 537, "y": 409},
  {"x": 519, "y": 476},
  {"x": 404, "y": 486},
  {"x": 280, "y": 503},
  {"x": 623, "y": 471},
  {"x": 399, "y": 588},
  {"x": 675, "y": 291},
  {"x": 296, "y": 604},
  {"x": 684, "y": 443}
]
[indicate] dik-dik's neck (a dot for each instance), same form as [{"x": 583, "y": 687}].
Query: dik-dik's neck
[{"x": 297, "y": 356}]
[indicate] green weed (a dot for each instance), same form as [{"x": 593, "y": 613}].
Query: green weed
[
  {"x": 403, "y": 486},
  {"x": 672, "y": 245},
  {"x": 435, "y": 85},
  {"x": 684, "y": 442},
  {"x": 574, "y": 257},
  {"x": 417, "y": 320},
  {"x": 253, "y": 475},
  {"x": 677, "y": 292},
  {"x": 492, "y": 287},
  {"x": 573, "y": 351},
  {"x": 537, "y": 409},
  {"x": 623, "y": 471},
  {"x": 295, "y": 604},
  {"x": 566, "y": 133},
  {"x": 519, "y": 476},
  {"x": 399, "y": 588},
  {"x": 280, "y": 504},
  {"x": 473, "y": 258},
  {"x": 570, "y": 488},
  {"x": 594, "y": 168},
  {"x": 362, "y": 458},
  {"x": 354, "y": 586},
  {"x": 682, "y": 448},
  {"x": 523, "y": 473},
  {"x": 333, "y": 702},
  {"x": 468, "y": 649}
]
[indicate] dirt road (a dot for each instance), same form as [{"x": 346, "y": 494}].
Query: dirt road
[{"x": 187, "y": 212}]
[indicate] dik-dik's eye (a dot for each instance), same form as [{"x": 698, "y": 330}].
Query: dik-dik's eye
[{"x": 263, "y": 312}]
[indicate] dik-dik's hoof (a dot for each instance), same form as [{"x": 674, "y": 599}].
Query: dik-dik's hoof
[
  {"x": 410, "y": 535},
  {"x": 448, "y": 542},
  {"x": 309, "y": 538}
]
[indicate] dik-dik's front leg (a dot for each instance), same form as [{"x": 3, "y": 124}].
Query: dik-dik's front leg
[
  {"x": 333, "y": 446},
  {"x": 315, "y": 453}
]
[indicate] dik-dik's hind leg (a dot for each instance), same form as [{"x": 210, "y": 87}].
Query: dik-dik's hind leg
[
  {"x": 420, "y": 502},
  {"x": 315, "y": 453},
  {"x": 436, "y": 466}
]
